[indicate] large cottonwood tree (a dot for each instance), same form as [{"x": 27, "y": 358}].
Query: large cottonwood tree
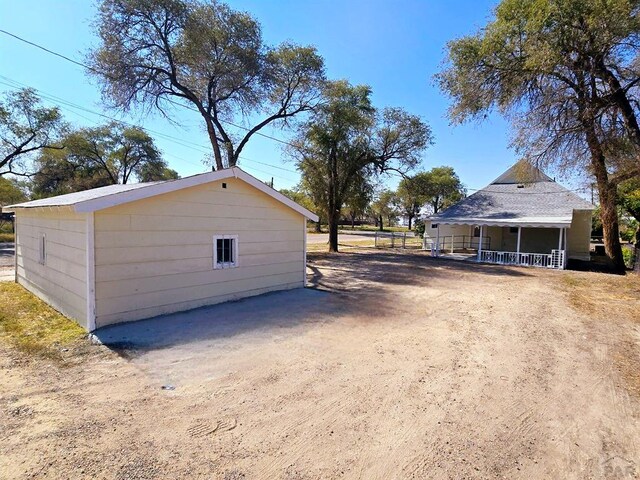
[
  {"x": 207, "y": 56},
  {"x": 348, "y": 139},
  {"x": 566, "y": 72}
]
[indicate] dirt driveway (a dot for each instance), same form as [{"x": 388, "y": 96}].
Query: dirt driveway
[
  {"x": 402, "y": 366},
  {"x": 6, "y": 261}
]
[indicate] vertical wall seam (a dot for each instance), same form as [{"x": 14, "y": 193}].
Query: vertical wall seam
[
  {"x": 91, "y": 272},
  {"x": 304, "y": 248},
  {"x": 15, "y": 247}
]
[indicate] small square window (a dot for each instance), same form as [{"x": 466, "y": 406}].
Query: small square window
[
  {"x": 434, "y": 225},
  {"x": 225, "y": 251}
]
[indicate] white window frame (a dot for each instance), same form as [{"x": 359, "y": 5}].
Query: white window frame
[
  {"x": 234, "y": 251},
  {"x": 42, "y": 249}
]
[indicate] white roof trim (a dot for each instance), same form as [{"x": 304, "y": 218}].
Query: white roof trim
[
  {"x": 119, "y": 198},
  {"x": 533, "y": 223}
]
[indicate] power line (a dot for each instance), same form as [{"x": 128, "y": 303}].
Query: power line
[
  {"x": 196, "y": 147},
  {"x": 88, "y": 67},
  {"x": 84, "y": 65}
]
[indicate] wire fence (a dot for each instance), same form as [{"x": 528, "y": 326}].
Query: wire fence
[{"x": 397, "y": 240}]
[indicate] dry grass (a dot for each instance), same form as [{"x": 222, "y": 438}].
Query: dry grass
[
  {"x": 31, "y": 326},
  {"x": 616, "y": 298},
  {"x": 7, "y": 237},
  {"x": 598, "y": 293},
  {"x": 323, "y": 247}
]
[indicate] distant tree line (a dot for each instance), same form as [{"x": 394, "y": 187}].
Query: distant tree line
[
  {"x": 52, "y": 158},
  {"x": 423, "y": 193}
]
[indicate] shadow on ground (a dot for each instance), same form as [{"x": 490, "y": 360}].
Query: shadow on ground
[
  {"x": 345, "y": 271},
  {"x": 342, "y": 284},
  {"x": 268, "y": 312}
]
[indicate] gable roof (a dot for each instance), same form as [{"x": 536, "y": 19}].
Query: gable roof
[
  {"x": 105, "y": 197},
  {"x": 521, "y": 196}
]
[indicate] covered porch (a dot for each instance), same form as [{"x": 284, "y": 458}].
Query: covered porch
[{"x": 504, "y": 243}]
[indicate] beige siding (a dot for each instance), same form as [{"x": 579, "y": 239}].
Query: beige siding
[
  {"x": 579, "y": 235},
  {"x": 61, "y": 281},
  {"x": 155, "y": 256}
]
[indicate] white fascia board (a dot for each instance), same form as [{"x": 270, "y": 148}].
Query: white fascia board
[
  {"x": 503, "y": 223},
  {"x": 150, "y": 191},
  {"x": 174, "y": 185}
]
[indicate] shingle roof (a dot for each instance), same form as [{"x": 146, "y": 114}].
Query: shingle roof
[
  {"x": 523, "y": 195},
  {"x": 112, "y": 195}
]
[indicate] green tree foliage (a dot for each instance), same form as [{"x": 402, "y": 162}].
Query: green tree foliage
[
  {"x": 566, "y": 73},
  {"x": 412, "y": 196},
  {"x": 386, "y": 207},
  {"x": 156, "y": 171},
  {"x": 358, "y": 199},
  {"x": 26, "y": 127},
  {"x": 95, "y": 157},
  {"x": 629, "y": 195},
  {"x": 442, "y": 188},
  {"x": 438, "y": 188},
  {"x": 298, "y": 195},
  {"x": 11, "y": 191},
  {"x": 206, "y": 55},
  {"x": 347, "y": 140}
]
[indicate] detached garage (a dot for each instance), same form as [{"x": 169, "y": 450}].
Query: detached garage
[{"x": 128, "y": 252}]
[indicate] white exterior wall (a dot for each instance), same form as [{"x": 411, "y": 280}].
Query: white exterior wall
[
  {"x": 61, "y": 281},
  {"x": 155, "y": 256},
  {"x": 431, "y": 233},
  {"x": 494, "y": 233},
  {"x": 579, "y": 235}
]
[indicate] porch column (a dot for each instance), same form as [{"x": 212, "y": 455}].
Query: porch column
[
  {"x": 518, "y": 243},
  {"x": 438, "y": 240},
  {"x": 566, "y": 249},
  {"x": 560, "y": 239},
  {"x": 480, "y": 244}
]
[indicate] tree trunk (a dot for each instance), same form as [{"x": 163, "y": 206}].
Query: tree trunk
[
  {"x": 319, "y": 226},
  {"x": 333, "y": 231},
  {"x": 610, "y": 226},
  {"x": 608, "y": 194},
  {"x": 380, "y": 223},
  {"x": 410, "y": 218},
  {"x": 214, "y": 144},
  {"x": 353, "y": 222}
]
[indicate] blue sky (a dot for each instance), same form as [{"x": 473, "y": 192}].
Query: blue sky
[{"x": 395, "y": 47}]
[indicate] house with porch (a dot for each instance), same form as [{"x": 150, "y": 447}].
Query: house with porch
[{"x": 522, "y": 218}]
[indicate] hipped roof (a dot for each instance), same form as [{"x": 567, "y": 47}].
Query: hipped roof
[
  {"x": 112, "y": 195},
  {"x": 522, "y": 196}
]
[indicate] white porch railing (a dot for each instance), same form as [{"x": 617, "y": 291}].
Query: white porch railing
[{"x": 555, "y": 259}]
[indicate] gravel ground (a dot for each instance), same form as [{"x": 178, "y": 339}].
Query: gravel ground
[{"x": 400, "y": 366}]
